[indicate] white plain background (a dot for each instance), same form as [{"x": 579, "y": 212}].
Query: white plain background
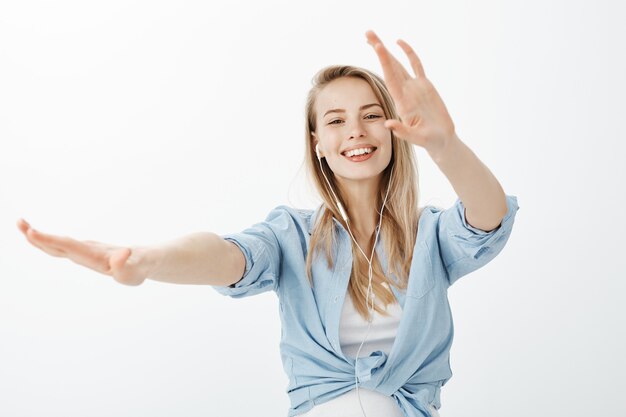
[{"x": 137, "y": 122}]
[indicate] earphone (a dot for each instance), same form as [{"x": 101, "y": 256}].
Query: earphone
[
  {"x": 369, "y": 261},
  {"x": 344, "y": 215}
]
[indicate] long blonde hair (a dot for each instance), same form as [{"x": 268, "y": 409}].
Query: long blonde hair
[{"x": 398, "y": 228}]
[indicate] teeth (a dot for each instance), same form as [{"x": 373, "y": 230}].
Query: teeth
[{"x": 360, "y": 151}]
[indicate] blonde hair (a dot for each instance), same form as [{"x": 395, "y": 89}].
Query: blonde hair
[{"x": 398, "y": 228}]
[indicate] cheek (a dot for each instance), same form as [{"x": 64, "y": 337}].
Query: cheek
[
  {"x": 331, "y": 140},
  {"x": 380, "y": 131}
]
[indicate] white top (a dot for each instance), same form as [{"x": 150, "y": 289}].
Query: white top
[
  {"x": 352, "y": 331},
  {"x": 353, "y": 328}
]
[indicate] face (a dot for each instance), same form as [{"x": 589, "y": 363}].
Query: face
[{"x": 350, "y": 117}]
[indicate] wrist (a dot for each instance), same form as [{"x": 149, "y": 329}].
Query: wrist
[
  {"x": 149, "y": 260},
  {"x": 445, "y": 149}
]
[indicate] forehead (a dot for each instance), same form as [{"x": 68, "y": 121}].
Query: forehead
[{"x": 347, "y": 93}]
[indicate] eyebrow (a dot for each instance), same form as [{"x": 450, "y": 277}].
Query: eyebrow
[{"x": 367, "y": 106}]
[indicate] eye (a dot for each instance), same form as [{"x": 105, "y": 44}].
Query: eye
[
  {"x": 333, "y": 121},
  {"x": 375, "y": 116}
]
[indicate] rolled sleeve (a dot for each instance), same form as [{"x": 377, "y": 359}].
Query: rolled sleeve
[
  {"x": 260, "y": 247},
  {"x": 465, "y": 248}
]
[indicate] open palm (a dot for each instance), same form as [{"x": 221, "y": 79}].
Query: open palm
[
  {"x": 121, "y": 263},
  {"x": 424, "y": 119}
]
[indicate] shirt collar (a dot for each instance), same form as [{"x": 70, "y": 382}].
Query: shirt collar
[{"x": 318, "y": 212}]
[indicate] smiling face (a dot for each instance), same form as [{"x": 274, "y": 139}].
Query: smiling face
[{"x": 349, "y": 116}]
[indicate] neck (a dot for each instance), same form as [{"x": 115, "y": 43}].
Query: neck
[{"x": 361, "y": 200}]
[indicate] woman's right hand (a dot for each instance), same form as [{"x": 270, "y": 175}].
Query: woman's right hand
[{"x": 126, "y": 265}]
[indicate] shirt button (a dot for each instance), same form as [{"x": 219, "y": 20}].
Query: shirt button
[{"x": 336, "y": 298}]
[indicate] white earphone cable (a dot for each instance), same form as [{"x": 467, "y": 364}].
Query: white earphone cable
[{"x": 369, "y": 261}]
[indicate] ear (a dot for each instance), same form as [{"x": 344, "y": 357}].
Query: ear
[{"x": 316, "y": 143}]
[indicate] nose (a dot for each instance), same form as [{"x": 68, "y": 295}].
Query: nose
[{"x": 357, "y": 130}]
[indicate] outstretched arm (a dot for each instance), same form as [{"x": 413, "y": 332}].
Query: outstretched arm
[
  {"x": 199, "y": 258},
  {"x": 479, "y": 190},
  {"x": 425, "y": 122}
]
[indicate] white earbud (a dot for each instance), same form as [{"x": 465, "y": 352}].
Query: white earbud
[{"x": 317, "y": 151}]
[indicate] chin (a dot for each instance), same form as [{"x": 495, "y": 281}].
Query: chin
[
  {"x": 360, "y": 171},
  {"x": 362, "y": 176}
]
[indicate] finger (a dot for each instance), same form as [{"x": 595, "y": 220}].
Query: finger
[
  {"x": 94, "y": 256},
  {"x": 67, "y": 248},
  {"x": 32, "y": 237},
  {"x": 123, "y": 273},
  {"x": 416, "y": 63},
  {"x": 72, "y": 249},
  {"x": 99, "y": 245},
  {"x": 64, "y": 244},
  {"x": 393, "y": 70},
  {"x": 23, "y": 225},
  {"x": 398, "y": 128},
  {"x": 119, "y": 258},
  {"x": 24, "y": 228},
  {"x": 372, "y": 37},
  {"x": 387, "y": 58}
]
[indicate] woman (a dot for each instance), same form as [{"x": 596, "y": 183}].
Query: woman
[{"x": 362, "y": 280}]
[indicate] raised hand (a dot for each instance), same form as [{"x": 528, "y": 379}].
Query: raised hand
[
  {"x": 424, "y": 119},
  {"x": 121, "y": 263}
]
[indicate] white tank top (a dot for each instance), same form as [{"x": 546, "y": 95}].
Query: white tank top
[{"x": 352, "y": 330}]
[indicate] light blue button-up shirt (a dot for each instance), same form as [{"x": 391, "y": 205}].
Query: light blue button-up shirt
[{"x": 418, "y": 365}]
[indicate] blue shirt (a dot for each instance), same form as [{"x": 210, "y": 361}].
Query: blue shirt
[{"x": 418, "y": 365}]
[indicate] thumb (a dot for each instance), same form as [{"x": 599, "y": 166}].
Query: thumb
[
  {"x": 119, "y": 257},
  {"x": 397, "y": 127},
  {"x": 117, "y": 262}
]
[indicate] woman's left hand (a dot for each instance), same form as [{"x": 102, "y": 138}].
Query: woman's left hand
[{"x": 424, "y": 119}]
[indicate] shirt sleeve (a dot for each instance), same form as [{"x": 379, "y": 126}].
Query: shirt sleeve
[
  {"x": 464, "y": 248},
  {"x": 261, "y": 249}
]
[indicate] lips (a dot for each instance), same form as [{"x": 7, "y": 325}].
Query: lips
[
  {"x": 360, "y": 158},
  {"x": 359, "y": 147}
]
